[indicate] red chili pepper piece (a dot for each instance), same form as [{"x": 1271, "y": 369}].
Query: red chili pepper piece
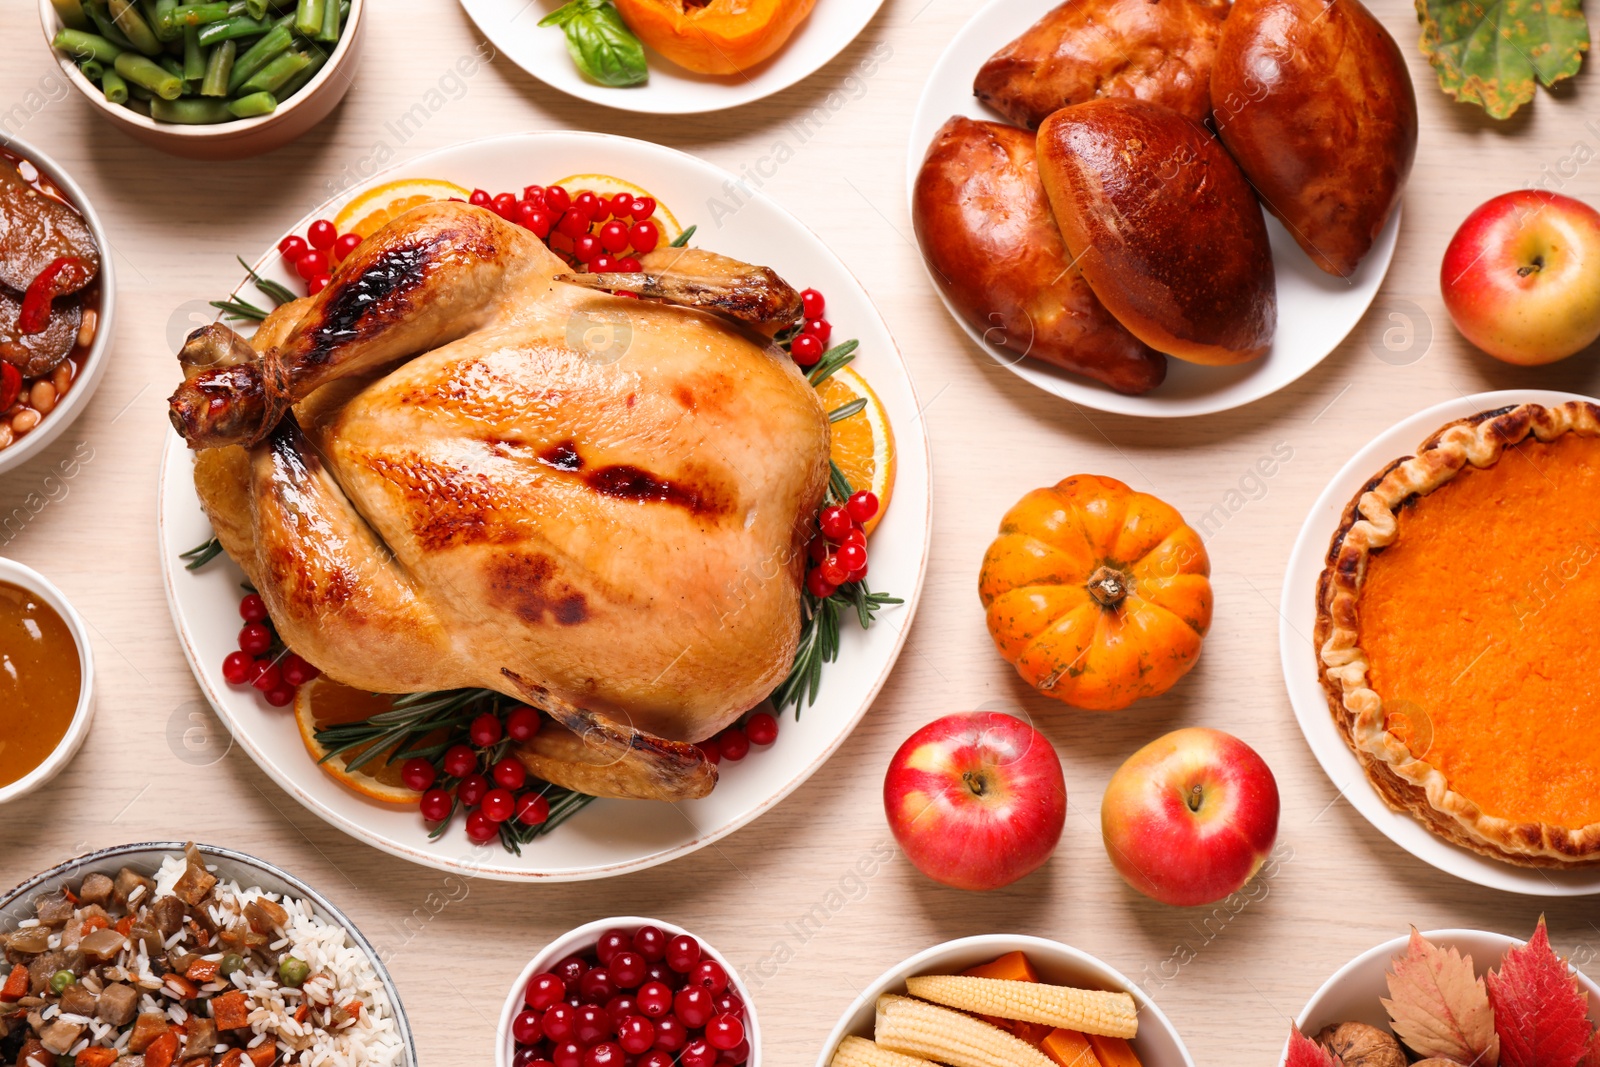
[
  {"x": 64, "y": 274},
  {"x": 10, "y": 385}
]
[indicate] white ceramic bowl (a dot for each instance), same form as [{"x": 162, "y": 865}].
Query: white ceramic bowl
[
  {"x": 234, "y": 866},
  {"x": 241, "y": 137},
  {"x": 1158, "y": 1043},
  {"x": 36, "y": 583},
  {"x": 94, "y": 365},
  {"x": 582, "y": 939},
  {"x": 1352, "y": 994}
]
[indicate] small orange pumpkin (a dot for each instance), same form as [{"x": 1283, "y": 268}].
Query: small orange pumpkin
[
  {"x": 719, "y": 37},
  {"x": 1096, "y": 594}
]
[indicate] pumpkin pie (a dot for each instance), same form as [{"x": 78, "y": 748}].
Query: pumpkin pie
[{"x": 1458, "y": 633}]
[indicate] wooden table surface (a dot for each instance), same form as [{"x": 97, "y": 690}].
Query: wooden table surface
[{"x": 1230, "y": 986}]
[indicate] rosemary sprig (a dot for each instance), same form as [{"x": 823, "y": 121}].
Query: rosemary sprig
[
  {"x": 409, "y": 720},
  {"x": 280, "y": 294},
  {"x": 401, "y": 731},
  {"x": 844, "y": 411},
  {"x": 200, "y": 555},
  {"x": 840, "y": 355},
  {"x": 682, "y": 240},
  {"x": 239, "y": 310},
  {"x": 564, "y": 804},
  {"x": 820, "y": 640}
]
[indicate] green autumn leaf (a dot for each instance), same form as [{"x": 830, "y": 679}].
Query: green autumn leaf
[{"x": 1489, "y": 52}]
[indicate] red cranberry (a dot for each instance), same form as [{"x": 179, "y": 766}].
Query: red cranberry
[
  {"x": 683, "y": 952},
  {"x": 636, "y": 1034},
  {"x": 544, "y": 991},
  {"x": 693, "y": 1006},
  {"x": 526, "y": 1027},
  {"x": 627, "y": 969},
  {"x": 654, "y": 999},
  {"x": 591, "y": 1024},
  {"x": 558, "y": 1022},
  {"x": 650, "y": 942}
]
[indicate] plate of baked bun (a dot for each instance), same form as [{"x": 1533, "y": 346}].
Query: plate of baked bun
[{"x": 1145, "y": 208}]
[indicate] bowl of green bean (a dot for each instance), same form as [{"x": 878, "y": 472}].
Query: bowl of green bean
[{"x": 208, "y": 79}]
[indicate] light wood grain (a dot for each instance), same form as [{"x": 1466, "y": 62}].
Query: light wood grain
[{"x": 1341, "y": 888}]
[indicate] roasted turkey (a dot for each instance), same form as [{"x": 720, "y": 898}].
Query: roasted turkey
[{"x": 461, "y": 466}]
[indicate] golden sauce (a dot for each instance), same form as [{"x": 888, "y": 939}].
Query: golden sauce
[{"x": 40, "y": 680}]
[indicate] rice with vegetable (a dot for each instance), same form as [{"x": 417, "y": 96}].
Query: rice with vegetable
[{"x": 181, "y": 968}]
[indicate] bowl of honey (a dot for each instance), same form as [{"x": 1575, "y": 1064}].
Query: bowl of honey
[{"x": 46, "y": 680}]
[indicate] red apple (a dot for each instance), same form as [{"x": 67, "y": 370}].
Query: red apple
[
  {"x": 976, "y": 800},
  {"x": 1190, "y": 817},
  {"x": 1521, "y": 278}
]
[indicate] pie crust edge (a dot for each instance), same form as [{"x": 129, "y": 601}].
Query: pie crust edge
[{"x": 1406, "y": 782}]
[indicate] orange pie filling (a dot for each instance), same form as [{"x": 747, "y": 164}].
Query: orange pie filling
[{"x": 1481, "y": 623}]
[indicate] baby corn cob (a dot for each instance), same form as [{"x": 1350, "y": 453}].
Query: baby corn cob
[
  {"x": 915, "y": 1028},
  {"x": 1089, "y": 1011},
  {"x": 859, "y": 1052}
]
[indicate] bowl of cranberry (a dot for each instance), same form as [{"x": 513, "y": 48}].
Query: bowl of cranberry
[{"x": 628, "y": 991}]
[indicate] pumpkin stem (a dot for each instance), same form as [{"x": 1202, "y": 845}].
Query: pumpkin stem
[{"x": 1110, "y": 587}]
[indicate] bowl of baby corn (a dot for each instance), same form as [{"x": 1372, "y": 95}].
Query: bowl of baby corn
[{"x": 1003, "y": 1001}]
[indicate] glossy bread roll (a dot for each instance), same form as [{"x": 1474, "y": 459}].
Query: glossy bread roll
[
  {"x": 1157, "y": 50},
  {"x": 984, "y": 225},
  {"x": 1313, "y": 99},
  {"x": 1164, "y": 227}
]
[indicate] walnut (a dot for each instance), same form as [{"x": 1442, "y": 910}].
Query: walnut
[{"x": 1360, "y": 1045}]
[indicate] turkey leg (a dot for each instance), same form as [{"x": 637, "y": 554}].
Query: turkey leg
[{"x": 407, "y": 290}]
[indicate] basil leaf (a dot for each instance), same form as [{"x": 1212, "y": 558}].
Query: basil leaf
[{"x": 600, "y": 43}]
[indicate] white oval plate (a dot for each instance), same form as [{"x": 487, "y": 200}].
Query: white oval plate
[
  {"x": 1297, "y": 619},
  {"x": 1315, "y": 310},
  {"x": 513, "y": 27},
  {"x": 1352, "y": 994},
  {"x": 609, "y": 837}
]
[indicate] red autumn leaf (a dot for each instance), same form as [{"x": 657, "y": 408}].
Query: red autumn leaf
[
  {"x": 1439, "y": 1007},
  {"x": 1592, "y": 1059},
  {"x": 1304, "y": 1052},
  {"x": 1540, "y": 1013}
]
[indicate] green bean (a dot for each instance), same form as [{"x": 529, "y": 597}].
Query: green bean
[
  {"x": 298, "y": 82},
  {"x": 149, "y": 74},
  {"x": 272, "y": 44},
  {"x": 201, "y": 14},
  {"x": 100, "y": 15},
  {"x": 171, "y": 65},
  {"x": 308, "y": 17},
  {"x": 125, "y": 13},
  {"x": 192, "y": 111},
  {"x": 248, "y": 107},
  {"x": 141, "y": 94},
  {"x": 114, "y": 87},
  {"x": 80, "y": 45},
  {"x": 219, "y": 67},
  {"x": 158, "y": 13},
  {"x": 92, "y": 68},
  {"x": 231, "y": 29},
  {"x": 272, "y": 77},
  {"x": 256, "y": 8},
  {"x": 72, "y": 15},
  {"x": 194, "y": 57},
  {"x": 330, "y": 23}
]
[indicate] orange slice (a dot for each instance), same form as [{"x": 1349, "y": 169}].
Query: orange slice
[
  {"x": 609, "y": 185},
  {"x": 863, "y": 443},
  {"x": 382, "y": 204},
  {"x": 323, "y": 702}
]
